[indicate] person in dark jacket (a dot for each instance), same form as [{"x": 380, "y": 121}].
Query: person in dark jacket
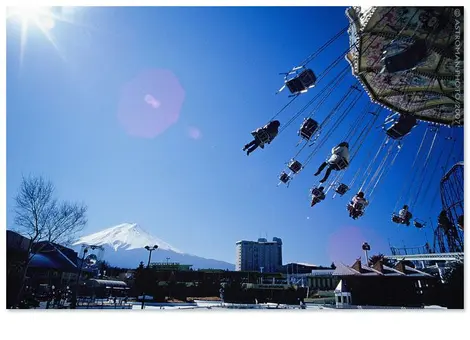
[
  {"x": 262, "y": 136},
  {"x": 318, "y": 195}
]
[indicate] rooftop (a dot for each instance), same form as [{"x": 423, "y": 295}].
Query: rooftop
[{"x": 378, "y": 269}]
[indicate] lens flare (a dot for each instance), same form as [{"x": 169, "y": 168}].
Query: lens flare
[{"x": 150, "y": 103}]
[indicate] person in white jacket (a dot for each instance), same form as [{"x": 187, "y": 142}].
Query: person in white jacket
[
  {"x": 405, "y": 215},
  {"x": 339, "y": 160},
  {"x": 357, "y": 205}
]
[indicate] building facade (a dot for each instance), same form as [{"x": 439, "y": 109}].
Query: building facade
[
  {"x": 262, "y": 255},
  {"x": 381, "y": 285}
]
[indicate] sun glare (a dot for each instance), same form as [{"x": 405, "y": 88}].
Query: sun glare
[{"x": 39, "y": 17}]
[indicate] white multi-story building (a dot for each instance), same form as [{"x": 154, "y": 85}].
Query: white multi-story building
[{"x": 261, "y": 255}]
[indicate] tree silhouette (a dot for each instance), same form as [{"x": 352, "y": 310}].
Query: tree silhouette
[
  {"x": 380, "y": 257},
  {"x": 43, "y": 218}
]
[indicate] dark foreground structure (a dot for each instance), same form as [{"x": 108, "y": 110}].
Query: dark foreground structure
[{"x": 381, "y": 285}]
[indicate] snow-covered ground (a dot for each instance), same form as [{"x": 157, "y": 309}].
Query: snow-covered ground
[
  {"x": 219, "y": 306},
  {"x": 211, "y": 305}
]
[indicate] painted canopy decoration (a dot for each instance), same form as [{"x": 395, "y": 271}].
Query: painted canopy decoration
[{"x": 433, "y": 91}]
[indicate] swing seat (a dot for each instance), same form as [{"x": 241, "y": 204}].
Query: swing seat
[
  {"x": 342, "y": 189},
  {"x": 295, "y": 166},
  {"x": 318, "y": 194},
  {"x": 405, "y": 59},
  {"x": 262, "y": 135},
  {"x": 284, "y": 177},
  {"x": 301, "y": 82},
  {"x": 314, "y": 201},
  {"x": 356, "y": 210},
  {"x": 359, "y": 206},
  {"x": 341, "y": 164},
  {"x": 308, "y": 128},
  {"x": 356, "y": 213},
  {"x": 396, "y": 218},
  {"x": 401, "y": 127},
  {"x": 317, "y": 198},
  {"x": 419, "y": 224}
]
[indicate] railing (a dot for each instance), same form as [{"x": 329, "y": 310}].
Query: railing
[{"x": 428, "y": 257}]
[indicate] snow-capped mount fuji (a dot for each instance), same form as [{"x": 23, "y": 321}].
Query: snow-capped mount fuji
[
  {"x": 124, "y": 247},
  {"x": 127, "y": 236}
]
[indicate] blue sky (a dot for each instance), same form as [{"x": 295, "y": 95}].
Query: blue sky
[{"x": 212, "y": 72}]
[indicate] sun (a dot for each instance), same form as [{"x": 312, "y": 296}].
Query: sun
[{"x": 38, "y": 17}]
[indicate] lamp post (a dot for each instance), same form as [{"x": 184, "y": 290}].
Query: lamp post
[
  {"x": 366, "y": 248},
  {"x": 73, "y": 303},
  {"x": 150, "y": 249}
]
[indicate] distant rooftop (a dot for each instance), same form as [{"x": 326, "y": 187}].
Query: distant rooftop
[
  {"x": 306, "y": 264},
  {"x": 276, "y": 240}
]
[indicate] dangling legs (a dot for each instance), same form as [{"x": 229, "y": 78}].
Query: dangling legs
[
  {"x": 253, "y": 147},
  {"x": 327, "y": 174},
  {"x": 320, "y": 169},
  {"x": 357, "y": 213},
  {"x": 408, "y": 217},
  {"x": 351, "y": 209},
  {"x": 253, "y": 142}
]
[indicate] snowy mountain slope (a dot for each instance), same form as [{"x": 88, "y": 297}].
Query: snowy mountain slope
[
  {"x": 124, "y": 247},
  {"x": 127, "y": 236}
]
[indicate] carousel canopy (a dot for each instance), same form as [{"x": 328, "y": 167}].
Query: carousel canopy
[{"x": 433, "y": 89}]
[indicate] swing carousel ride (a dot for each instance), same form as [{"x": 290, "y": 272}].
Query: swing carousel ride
[{"x": 406, "y": 64}]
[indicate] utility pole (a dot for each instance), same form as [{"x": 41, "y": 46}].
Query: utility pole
[{"x": 150, "y": 249}]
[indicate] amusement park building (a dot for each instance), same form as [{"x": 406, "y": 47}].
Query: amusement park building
[
  {"x": 261, "y": 255},
  {"x": 50, "y": 264},
  {"x": 380, "y": 285}
]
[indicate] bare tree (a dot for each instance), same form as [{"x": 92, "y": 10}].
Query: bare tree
[{"x": 41, "y": 217}]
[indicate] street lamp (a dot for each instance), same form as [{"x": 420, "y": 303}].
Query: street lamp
[
  {"x": 366, "y": 248},
  {"x": 150, "y": 249},
  {"x": 85, "y": 248}
]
